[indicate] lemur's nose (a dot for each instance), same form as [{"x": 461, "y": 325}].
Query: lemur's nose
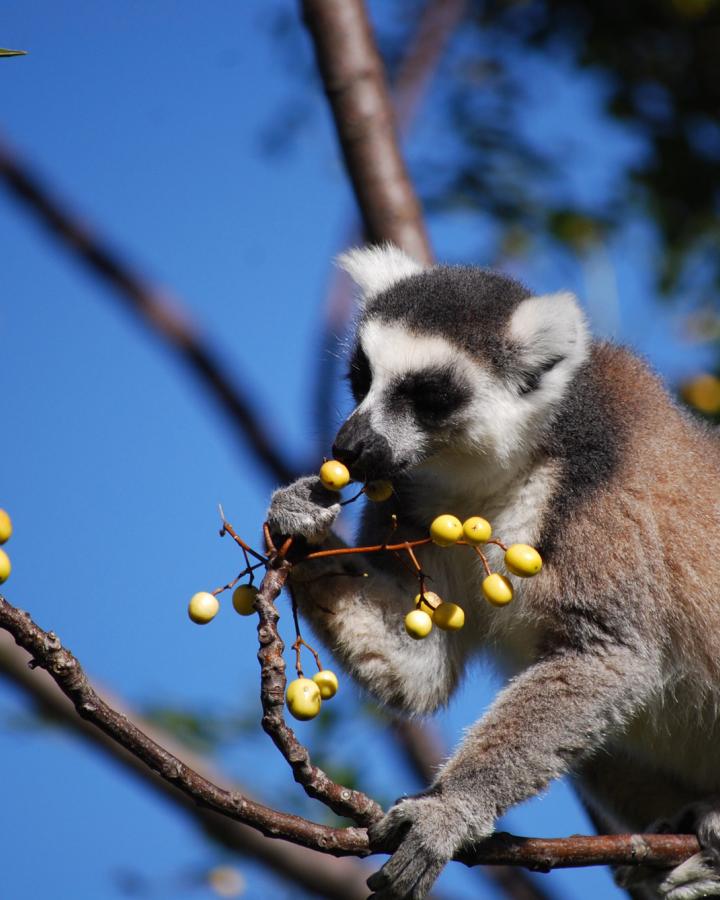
[{"x": 347, "y": 455}]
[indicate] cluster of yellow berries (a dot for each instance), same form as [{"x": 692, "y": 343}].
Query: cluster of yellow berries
[
  {"x": 445, "y": 530},
  {"x": 204, "y": 606},
  {"x": 304, "y": 696},
  {"x": 6, "y": 531}
]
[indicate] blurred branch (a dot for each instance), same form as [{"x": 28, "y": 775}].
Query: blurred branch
[
  {"x": 354, "y": 79},
  {"x": 158, "y": 312},
  {"x": 537, "y": 853},
  {"x": 426, "y": 47},
  {"x": 336, "y": 879}
]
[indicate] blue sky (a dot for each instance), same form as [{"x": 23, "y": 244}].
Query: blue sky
[{"x": 147, "y": 118}]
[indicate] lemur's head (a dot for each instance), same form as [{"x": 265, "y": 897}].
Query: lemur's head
[{"x": 451, "y": 358}]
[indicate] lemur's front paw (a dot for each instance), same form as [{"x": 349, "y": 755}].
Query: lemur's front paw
[
  {"x": 698, "y": 876},
  {"x": 305, "y": 508},
  {"x": 425, "y": 833}
]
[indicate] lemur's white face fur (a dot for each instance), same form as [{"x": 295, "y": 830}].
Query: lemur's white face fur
[{"x": 452, "y": 360}]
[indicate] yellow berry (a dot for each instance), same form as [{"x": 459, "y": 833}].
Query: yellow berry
[
  {"x": 5, "y": 527},
  {"x": 428, "y": 602},
  {"x": 703, "y": 392},
  {"x": 418, "y": 624},
  {"x": 203, "y": 607},
  {"x": 446, "y": 530},
  {"x": 5, "y": 566},
  {"x": 497, "y": 589},
  {"x": 334, "y": 475},
  {"x": 378, "y": 491},
  {"x": 449, "y": 617},
  {"x": 327, "y": 682},
  {"x": 243, "y": 598},
  {"x": 303, "y": 699},
  {"x": 477, "y": 530},
  {"x": 523, "y": 560}
]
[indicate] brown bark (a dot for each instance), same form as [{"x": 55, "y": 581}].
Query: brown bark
[
  {"x": 335, "y": 879},
  {"x": 540, "y": 854},
  {"x": 354, "y": 80}
]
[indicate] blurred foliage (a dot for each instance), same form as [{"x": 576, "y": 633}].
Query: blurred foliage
[
  {"x": 652, "y": 73},
  {"x": 702, "y": 394}
]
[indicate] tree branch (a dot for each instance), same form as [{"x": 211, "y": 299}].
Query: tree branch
[
  {"x": 159, "y": 312},
  {"x": 334, "y": 879},
  {"x": 354, "y": 79},
  {"x": 540, "y": 854},
  {"x": 340, "y": 799}
]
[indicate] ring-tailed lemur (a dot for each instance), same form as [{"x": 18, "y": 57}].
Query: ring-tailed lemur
[{"x": 475, "y": 397}]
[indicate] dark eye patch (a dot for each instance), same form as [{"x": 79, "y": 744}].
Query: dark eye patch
[
  {"x": 433, "y": 395},
  {"x": 359, "y": 374},
  {"x": 530, "y": 381}
]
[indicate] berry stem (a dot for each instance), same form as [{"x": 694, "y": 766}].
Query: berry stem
[
  {"x": 301, "y": 642},
  {"x": 498, "y": 543},
  {"x": 228, "y": 529},
  {"x": 484, "y": 561},
  {"x": 353, "y": 499},
  {"x": 375, "y": 548}
]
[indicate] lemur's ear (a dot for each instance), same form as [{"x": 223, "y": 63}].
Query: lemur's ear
[
  {"x": 375, "y": 269},
  {"x": 547, "y": 329}
]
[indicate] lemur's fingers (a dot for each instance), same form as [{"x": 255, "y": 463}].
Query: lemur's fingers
[
  {"x": 409, "y": 873},
  {"x": 390, "y": 830},
  {"x": 305, "y": 508},
  {"x": 697, "y": 877}
]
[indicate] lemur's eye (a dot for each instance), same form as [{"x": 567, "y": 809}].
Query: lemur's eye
[
  {"x": 359, "y": 374},
  {"x": 433, "y": 396},
  {"x": 530, "y": 381}
]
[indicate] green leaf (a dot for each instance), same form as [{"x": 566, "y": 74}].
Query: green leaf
[{"x": 4, "y": 52}]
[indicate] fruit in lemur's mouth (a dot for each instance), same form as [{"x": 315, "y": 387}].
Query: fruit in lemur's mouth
[
  {"x": 446, "y": 530},
  {"x": 449, "y": 617},
  {"x": 418, "y": 624},
  {"x": 303, "y": 699},
  {"x": 477, "y": 530},
  {"x": 203, "y": 607},
  {"x": 334, "y": 475},
  {"x": 378, "y": 491},
  {"x": 523, "y": 560},
  {"x": 497, "y": 589},
  {"x": 243, "y": 598},
  {"x": 327, "y": 681}
]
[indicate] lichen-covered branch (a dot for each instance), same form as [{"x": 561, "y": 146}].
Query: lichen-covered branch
[
  {"x": 48, "y": 653},
  {"x": 342, "y": 800},
  {"x": 541, "y": 854},
  {"x": 323, "y": 876}
]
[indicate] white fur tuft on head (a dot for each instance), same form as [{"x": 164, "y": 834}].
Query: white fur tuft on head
[
  {"x": 550, "y": 326},
  {"x": 375, "y": 269}
]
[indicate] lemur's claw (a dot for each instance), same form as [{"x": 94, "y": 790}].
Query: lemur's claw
[{"x": 424, "y": 832}]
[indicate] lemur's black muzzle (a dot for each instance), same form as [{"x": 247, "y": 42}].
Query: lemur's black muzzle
[{"x": 365, "y": 452}]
